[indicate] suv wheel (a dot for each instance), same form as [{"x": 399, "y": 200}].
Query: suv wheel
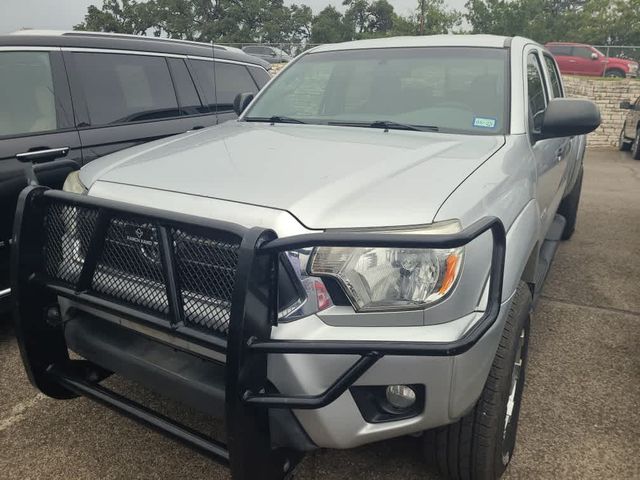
[
  {"x": 624, "y": 145},
  {"x": 635, "y": 146},
  {"x": 614, "y": 73},
  {"x": 480, "y": 445}
]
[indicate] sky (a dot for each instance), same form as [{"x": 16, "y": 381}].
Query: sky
[{"x": 64, "y": 14}]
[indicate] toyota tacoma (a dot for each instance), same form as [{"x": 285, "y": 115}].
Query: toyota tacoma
[{"x": 354, "y": 259}]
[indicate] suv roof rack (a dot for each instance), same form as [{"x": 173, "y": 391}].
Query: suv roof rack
[{"x": 128, "y": 36}]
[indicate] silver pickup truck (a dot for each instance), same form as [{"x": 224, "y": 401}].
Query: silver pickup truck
[{"x": 354, "y": 259}]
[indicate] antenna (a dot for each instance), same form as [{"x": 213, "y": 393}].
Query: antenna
[{"x": 215, "y": 83}]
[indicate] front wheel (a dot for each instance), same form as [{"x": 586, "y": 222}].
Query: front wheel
[
  {"x": 624, "y": 145},
  {"x": 615, "y": 73},
  {"x": 480, "y": 445}
]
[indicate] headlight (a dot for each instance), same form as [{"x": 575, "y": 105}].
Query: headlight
[
  {"x": 73, "y": 184},
  {"x": 392, "y": 278}
]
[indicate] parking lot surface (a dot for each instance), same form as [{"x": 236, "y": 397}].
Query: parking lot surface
[{"x": 581, "y": 410}]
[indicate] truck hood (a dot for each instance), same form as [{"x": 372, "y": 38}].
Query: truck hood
[{"x": 326, "y": 176}]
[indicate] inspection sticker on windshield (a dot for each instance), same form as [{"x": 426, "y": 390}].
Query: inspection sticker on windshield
[{"x": 483, "y": 122}]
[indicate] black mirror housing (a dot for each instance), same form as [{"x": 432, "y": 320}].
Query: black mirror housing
[
  {"x": 241, "y": 102},
  {"x": 625, "y": 105},
  {"x": 565, "y": 117}
]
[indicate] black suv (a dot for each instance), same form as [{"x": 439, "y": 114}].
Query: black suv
[{"x": 67, "y": 98}]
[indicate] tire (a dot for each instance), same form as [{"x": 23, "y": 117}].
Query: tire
[
  {"x": 635, "y": 146},
  {"x": 624, "y": 145},
  {"x": 615, "y": 73},
  {"x": 479, "y": 446},
  {"x": 569, "y": 207}
]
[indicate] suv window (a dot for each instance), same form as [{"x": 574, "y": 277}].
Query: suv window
[
  {"x": 560, "y": 50},
  {"x": 556, "y": 86},
  {"x": 260, "y": 76},
  {"x": 26, "y": 93},
  {"x": 123, "y": 88},
  {"x": 252, "y": 49},
  {"x": 583, "y": 52},
  {"x": 535, "y": 92},
  {"x": 231, "y": 79},
  {"x": 188, "y": 98}
]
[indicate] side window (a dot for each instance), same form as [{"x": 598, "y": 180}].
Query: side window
[
  {"x": 188, "y": 99},
  {"x": 260, "y": 76},
  {"x": 536, "y": 94},
  {"x": 564, "y": 50},
  {"x": 122, "y": 88},
  {"x": 27, "y": 99},
  {"x": 252, "y": 49},
  {"x": 582, "y": 52},
  {"x": 231, "y": 79},
  {"x": 554, "y": 76}
]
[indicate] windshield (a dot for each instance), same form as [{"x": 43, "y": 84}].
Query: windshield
[{"x": 453, "y": 89}]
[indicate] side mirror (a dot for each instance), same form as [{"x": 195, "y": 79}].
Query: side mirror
[
  {"x": 241, "y": 102},
  {"x": 594, "y": 56},
  {"x": 625, "y": 105},
  {"x": 274, "y": 54},
  {"x": 565, "y": 117}
]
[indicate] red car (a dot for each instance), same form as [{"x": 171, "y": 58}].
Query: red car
[{"x": 581, "y": 59}]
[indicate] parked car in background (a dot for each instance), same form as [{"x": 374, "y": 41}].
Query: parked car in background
[
  {"x": 581, "y": 59},
  {"x": 630, "y": 132},
  {"x": 270, "y": 54},
  {"x": 67, "y": 98},
  {"x": 354, "y": 259}
]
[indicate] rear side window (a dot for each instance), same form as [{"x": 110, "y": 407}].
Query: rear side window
[
  {"x": 560, "y": 50},
  {"x": 535, "y": 92},
  {"x": 122, "y": 88},
  {"x": 188, "y": 99},
  {"x": 231, "y": 79},
  {"x": 27, "y": 100},
  {"x": 260, "y": 76},
  {"x": 556, "y": 87}
]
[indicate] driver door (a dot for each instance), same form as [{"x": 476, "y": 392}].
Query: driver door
[{"x": 550, "y": 154}]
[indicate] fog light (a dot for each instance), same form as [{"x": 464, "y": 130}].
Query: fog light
[{"x": 400, "y": 396}]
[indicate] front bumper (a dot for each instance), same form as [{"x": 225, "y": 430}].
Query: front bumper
[{"x": 266, "y": 367}]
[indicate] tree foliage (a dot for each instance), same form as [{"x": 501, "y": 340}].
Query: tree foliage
[
  {"x": 268, "y": 21},
  {"x": 600, "y": 22}
]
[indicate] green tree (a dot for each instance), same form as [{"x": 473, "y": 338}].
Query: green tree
[
  {"x": 381, "y": 17},
  {"x": 435, "y": 18},
  {"x": 329, "y": 27},
  {"x": 119, "y": 16}
]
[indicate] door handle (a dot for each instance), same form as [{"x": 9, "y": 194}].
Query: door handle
[{"x": 43, "y": 155}]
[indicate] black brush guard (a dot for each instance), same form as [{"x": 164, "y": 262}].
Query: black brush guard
[{"x": 248, "y": 452}]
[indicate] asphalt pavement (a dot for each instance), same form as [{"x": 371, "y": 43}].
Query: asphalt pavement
[{"x": 580, "y": 416}]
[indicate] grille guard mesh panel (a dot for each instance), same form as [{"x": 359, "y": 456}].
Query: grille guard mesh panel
[{"x": 130, "y": 270}]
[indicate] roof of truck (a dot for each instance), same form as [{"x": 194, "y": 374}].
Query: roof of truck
[
  {"x": 119, "y": 41},
  {"x": 492, "y": 41}
]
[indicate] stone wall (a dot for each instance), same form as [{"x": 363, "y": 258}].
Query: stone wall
[{"x": 607, "y": 93}]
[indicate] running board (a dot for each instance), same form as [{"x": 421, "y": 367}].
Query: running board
[{"x": 547, "y": 252}]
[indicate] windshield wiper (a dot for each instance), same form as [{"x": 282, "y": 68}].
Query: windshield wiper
[
  {"x": 388, "y": 125},
  {"x": 274, "y": 119}
]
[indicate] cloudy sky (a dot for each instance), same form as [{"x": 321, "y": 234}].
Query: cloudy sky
[{"x": 63, "y": 14}]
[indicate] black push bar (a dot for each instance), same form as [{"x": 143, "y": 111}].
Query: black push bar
[{"x": 252, "y": 313}]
